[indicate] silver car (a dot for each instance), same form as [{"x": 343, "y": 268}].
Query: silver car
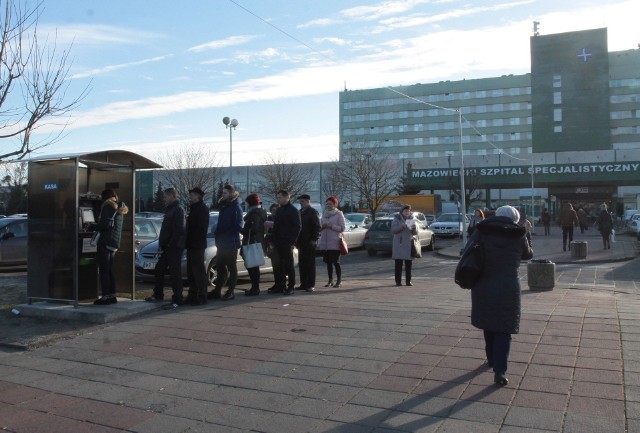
[
  {"x": 148, "y": 256},
  {"x": 353, "y": 235},
  {"x": 448, "y": 225},
  {"x": 380, "y": 238},
  {"x": 13, "y": 242}
]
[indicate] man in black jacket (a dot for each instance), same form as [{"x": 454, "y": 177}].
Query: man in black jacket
[
  {"x": 286, "y": 227},
  {"x": 197, "y": 227},
  {"x": 170, "y": 247},
  {"x": 307, "y": 241}
]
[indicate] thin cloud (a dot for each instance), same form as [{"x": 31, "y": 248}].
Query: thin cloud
[
  {"x": 111, "y": 68},
  {"x": 335, "y": 41},
  {"x": 85, "y": 34},
  {"x": 223, "y": 43},
  {"x": 369, "y": 13}
]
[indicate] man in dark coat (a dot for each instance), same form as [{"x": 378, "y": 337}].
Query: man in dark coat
[
  {"x": 605, "y": 226},
  {"x": 568, "y": 219},
  {"x": 286, "y": 227},
  {"x": 197, "y": 227},
  {"x": 227, "y": 235},
  {"x": 307, "y": 242},
  {"x": 495, "y": 298},
  {"x": 170, "y": 246}
]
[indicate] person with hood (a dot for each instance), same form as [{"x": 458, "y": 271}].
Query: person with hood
[
  {"x": 196, "y": 243},
  {"x": 170, "y": 246},
  {"x": 495, "y": 298},
  {"x": 110, "y": 227},
  {"x": 478, "y": 215},
  {"x": 568, "y": 219},
  {"x": 227, "y": 235},
  {"x": 403, "y": 228},
  {"x": 583, "y": 220},
  {"x": 605, "y": 226},
  {"x": 253, "y": 233},
  {"x": 332, "y": 225},
  {"x": 307, "y": 242},
  {"x": 286, "y": 228}
]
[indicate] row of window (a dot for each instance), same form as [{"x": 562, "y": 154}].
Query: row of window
[
  {"x": 466, "y": 152},
  {"x": 449, "y": 139},
  {"x": 622, "y": 130},
  {"x": 628, "y": 82},
  {"x": 436, "y": 126},
  {"x": 627, "y": 114},
  {"x": 443, "y": 97},
  {"x": 624, "y": 98}
]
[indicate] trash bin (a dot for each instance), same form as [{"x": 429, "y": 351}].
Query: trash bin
[
  {"x": 578, "y": 249},
  {"x": 541, "y": 275}
]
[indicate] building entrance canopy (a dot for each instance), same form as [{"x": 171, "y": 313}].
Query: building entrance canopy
[{"x": 519, "y": 176}]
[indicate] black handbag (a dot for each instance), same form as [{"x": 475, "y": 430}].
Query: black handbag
[{"x": 471, "y": 264}]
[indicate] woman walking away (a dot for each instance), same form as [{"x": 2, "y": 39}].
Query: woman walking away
[
  {"x": 495, "y": 298},
  {"x": 110, "y": 228},
  {"x": 253, "y": 233},
  {"x": 403, "y": 228},
  {"x": 605, "y": 225},
  {"x": 332, "y": 224},
  {"x": 478, "y": 216}
]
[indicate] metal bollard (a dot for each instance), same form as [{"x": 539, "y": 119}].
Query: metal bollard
[
  {"x": 579, "y": 249},
  {"x": 541, "y": 275}
]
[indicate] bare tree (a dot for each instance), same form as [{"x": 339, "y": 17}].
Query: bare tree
[
  {"x": 472, "y": 186},
  {"x": 34, "y": 80},
  {"x": 277, "y": 174},
  {"x": 13, "y": 178},
  {"x": 368, "y": 172},
  {"x": 189, "y": 167}
]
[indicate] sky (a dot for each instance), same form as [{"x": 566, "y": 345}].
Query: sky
[{"x": 161, "y": 75}]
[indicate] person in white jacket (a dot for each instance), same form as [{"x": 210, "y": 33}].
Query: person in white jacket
[{"x": 332, "y": 224}]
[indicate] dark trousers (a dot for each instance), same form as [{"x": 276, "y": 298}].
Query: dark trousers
[
  {"x": 286, "y": 268},
  {"x": 547, "y": 229},
  {"x": 170, "y": 259},
  {"x": 606, "y": 239},
  {"x": 407, "y": 270},
  {"x": 227, "y": 268},
  {"x": 307, "y": 266},
  {"x": 105, "y": 268},
  {"x": 567, "y": 231},
  {"x": 254, "y": 275},
  {"x": 497, "y": 346},
  {"x": 197, "y": 273}
]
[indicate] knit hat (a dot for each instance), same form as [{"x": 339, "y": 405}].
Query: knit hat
[
  {"x": 333, "y": 200},
  {"x": 406, "y": 206},
  {"x": 253, "y": 199},
  {"x": 509, "y": 212},
  {"x": 197, "y": 191}
]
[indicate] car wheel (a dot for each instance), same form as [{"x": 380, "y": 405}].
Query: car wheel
[
  {"x": 212, "y": 273},
  {"x": 431, "y": 245},
  {"x": 371, "y": 252}
]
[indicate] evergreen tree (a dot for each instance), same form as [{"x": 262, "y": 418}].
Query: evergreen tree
[
  {"x": 158, "y": 203},
  {"x": 216, "y": 197}
]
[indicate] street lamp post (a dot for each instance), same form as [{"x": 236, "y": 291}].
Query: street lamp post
[{"x": 231, "y": 125}]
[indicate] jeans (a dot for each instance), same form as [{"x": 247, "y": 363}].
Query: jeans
[
  {"x": 567, "y": 231},
  {"x": 286, "y": 268},
  {"x": 170, "y": 259},
  {"x": 227, "y": 267},
  {"x": 497, "y": 346},
  {"x": 105, "y": 268}
]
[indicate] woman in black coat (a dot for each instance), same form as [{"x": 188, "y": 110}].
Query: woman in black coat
[{"x": 495, "y": 298}]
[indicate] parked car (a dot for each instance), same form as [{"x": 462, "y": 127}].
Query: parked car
[
  {"x": 448, "y": 225},
  {"x": 149, "y": 215},
  {"x": 360, "y": 219},
  {"x": 353, "y": 235},
  {"x": 430, "y": 218},
  {"x": 633, "y": 226},
  {"x": 380, "y": 238},
  {"x": 147, "y": 257},
  {"x": 147, "y": 230},
  {"x": 13, "y": 242}
]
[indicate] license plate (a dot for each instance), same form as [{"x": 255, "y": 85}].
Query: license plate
[{"x": 149, "y": 265}]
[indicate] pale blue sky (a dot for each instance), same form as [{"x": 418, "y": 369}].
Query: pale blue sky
[{"x": 163, "y": 74}]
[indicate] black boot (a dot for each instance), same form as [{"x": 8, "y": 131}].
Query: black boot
[
  {"x": 215, "y": 293},
  {"x": 398, "y": 272},
  {"x": 254, "y": 291},
  {"x": 407, "y": 266},
  {"x": 228, "y": 295}
]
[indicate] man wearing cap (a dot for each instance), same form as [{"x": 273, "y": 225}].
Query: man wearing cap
[
  {"x": 286, "y": 227},
  {"x": 307, "y": 242},
  {"x": 197, "y": 227},
  {"x": 227, "y": 235}
]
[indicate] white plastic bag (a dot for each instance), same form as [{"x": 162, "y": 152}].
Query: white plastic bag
[{"x": 612, "y": 236}]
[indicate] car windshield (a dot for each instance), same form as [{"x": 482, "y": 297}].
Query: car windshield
[
  {"x": 355, "y": 218},
  {"x": 6, "y": 221},
  {"x": 449, "y": 218},
  {"x": 381, "y": 226}
]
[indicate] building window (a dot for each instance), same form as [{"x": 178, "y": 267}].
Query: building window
[
  {"x": 514, "y": 91},
  {"x": 498, "y": 122},
  {"x": 557, "y": 81},
  {"x": 418, "y": 113},
  {"x": 514, "y": 106},
  {"x": 374, "y": 116},
  {"x": 621, "y": 115},
  {"x": 433, "y": 154},
  {"x": 481, "y": 123},
  {"x": 403, "y": 128},
  {"x": 388, "y": 102},
  {"x": 432, "y": 127},
  {"x": 497, "y": 92},
  {"x": 514, "y": 121},
  {"x": 418, "y": 127},
  {"x": 481, "y": 108},
  {"x": 496, "y": 108},
  {"x": 557, "y": 128},
  {"x": 388, "y": 129},
  {"x": 387, "y": 116},
  {"x": 433, "y": 140},
  {"x": 403, "y": 142},
  {"x": 557, "y": 98},
  {"x": 346, "y": 105},
  {"x": 482, "y": 151},
  {"x": 481, "y": 93},
  {"x": 557, "y": 114},
  {"x": 403, "y": 114},
  {"x": 346, "y": 119},
  {"x": 419, "y": 141},
  {"x": 359, "y": 117}
]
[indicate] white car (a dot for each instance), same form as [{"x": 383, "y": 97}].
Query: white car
[
  {"x": 633, "y": 225},
  {"x": 448, "y": 225}
]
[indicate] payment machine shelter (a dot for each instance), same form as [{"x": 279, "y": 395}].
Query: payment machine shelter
[{"x": 64, "y": 200}]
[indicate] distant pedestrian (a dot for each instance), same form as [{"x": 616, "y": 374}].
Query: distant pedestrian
[
  {"x": 545, "y": 219},
  {"x": 170, "y": 246},
  {"x": 332, "y": 226},
  {"x": 307, "y": 243},
  {"x": 478, "y": 216},
  {"x": 110, "y": 227},
  {"x": 197, "y": 228},
  {"x": 568, "y": 219},
  {"x": 253, "y": 233},
  {"x": 286, "y": 227},
  {"x": 583, "y": 220},
  {"x": 605, "y": 226},
  {"x": 495, "y": 298},
  {"x": 227, "y": 236},
  {"x": 271, "y": 251},
  {"x": 403, "y": 228}
]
